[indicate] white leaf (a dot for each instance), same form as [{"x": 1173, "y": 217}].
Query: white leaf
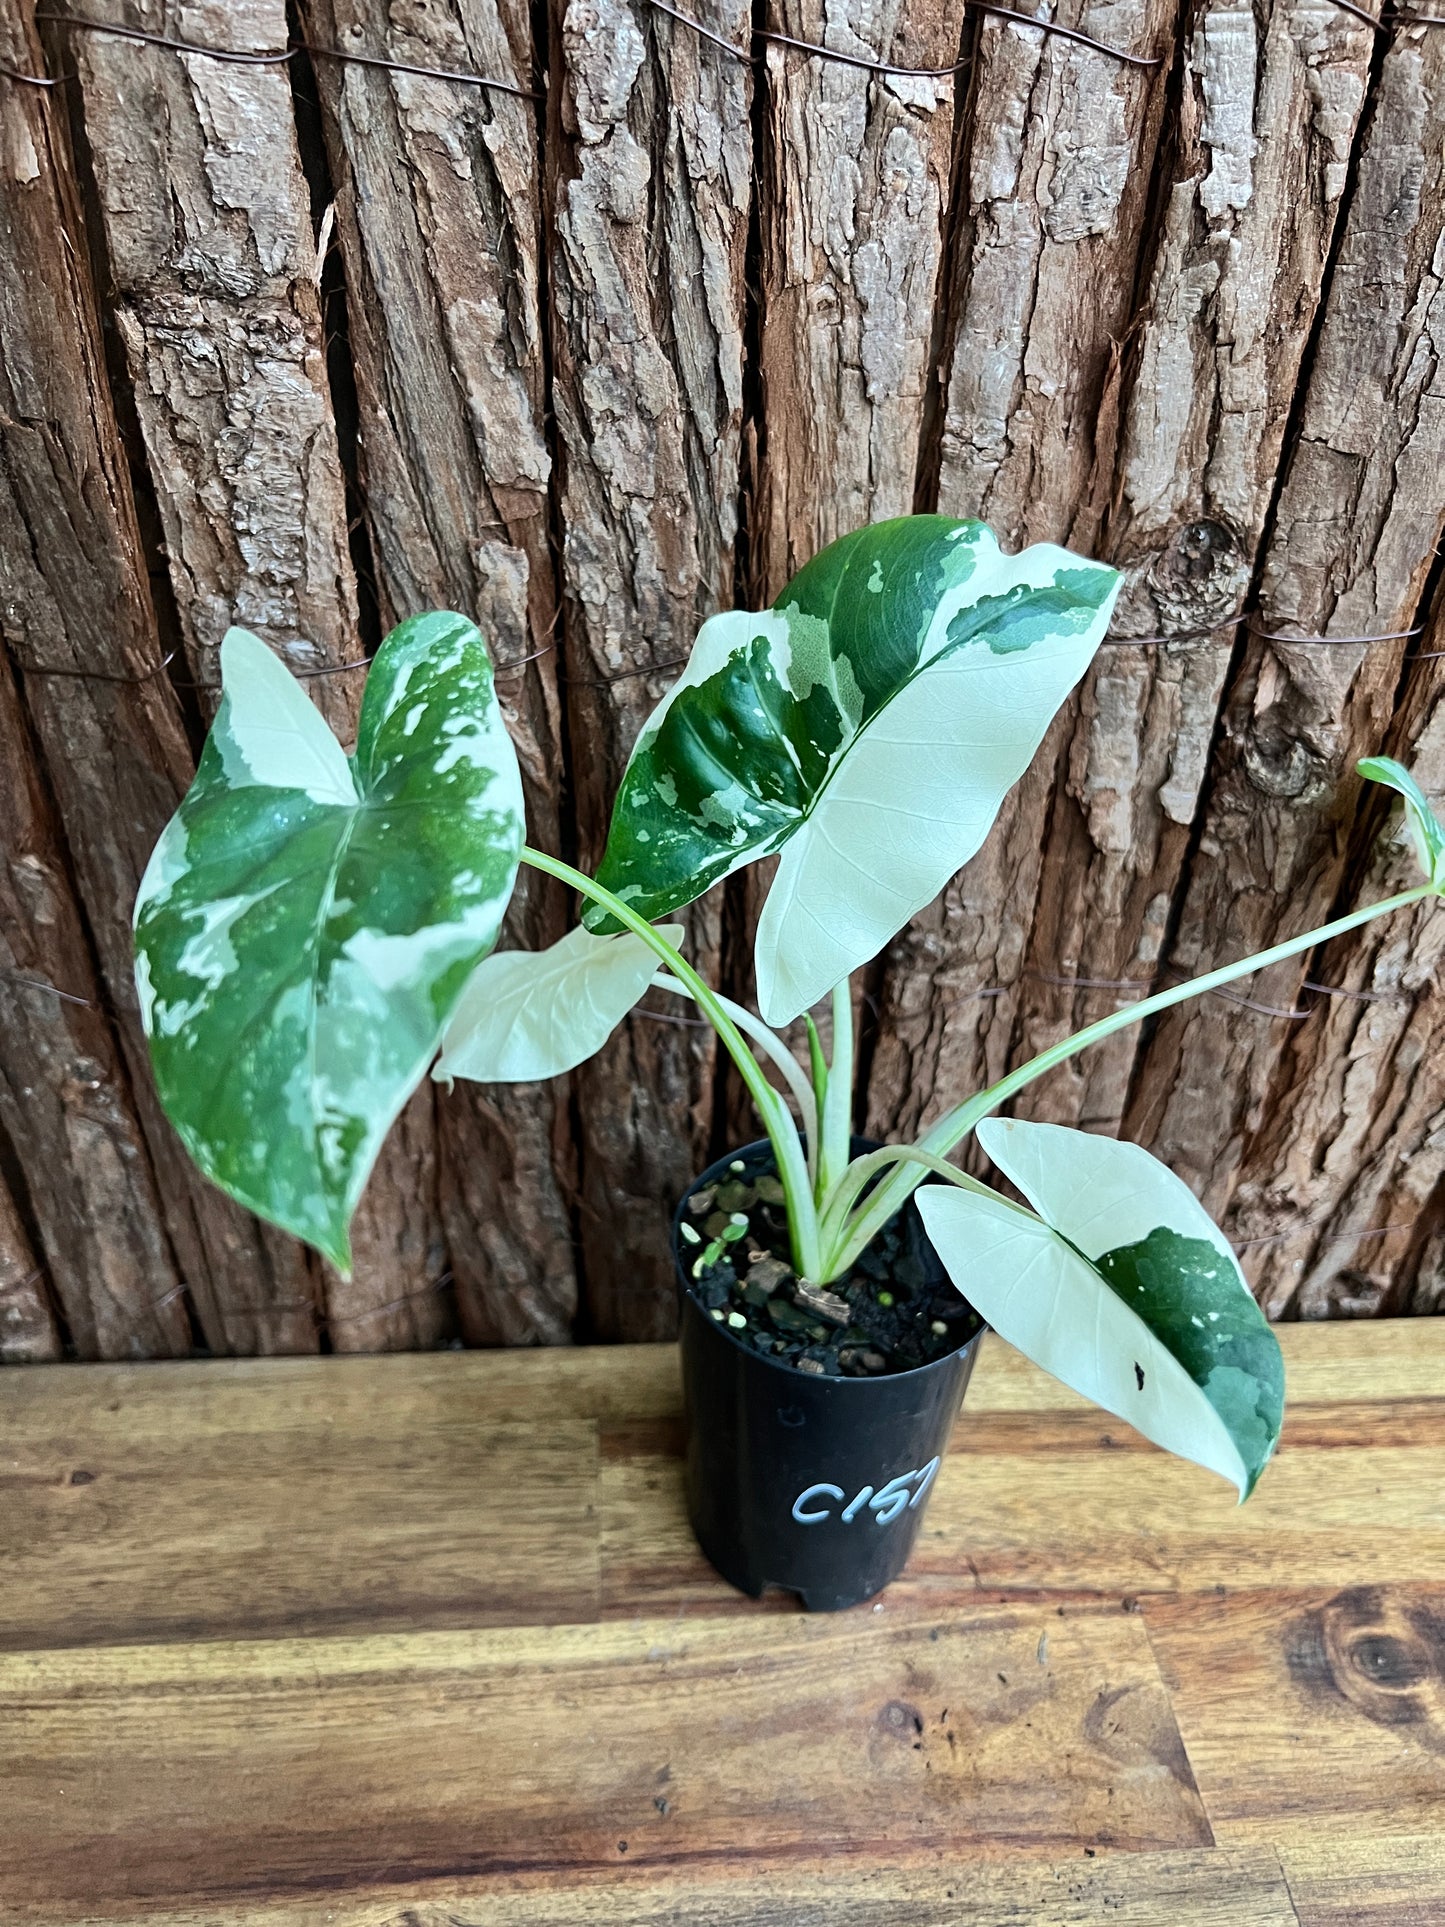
[
  {"x": 1122, "y": 1288},
  {"x": 528, "y": 1014}
]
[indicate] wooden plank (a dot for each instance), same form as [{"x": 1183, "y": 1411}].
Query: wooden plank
[
  {"x": 438, "y": 215},
  {"x": 210, "y": 1399},
  {"x": 651, "y": 164},
  {"x": 1044, "y": 1495},
  {"x": 1308, "y": 1711},
  {"x": 208, "y": 237},
  {"x": 76, "y": 600},
  {"x": 1355, "y": 534},
  {"x": 1401, "y": 1359},
  {"x": 1190, "y": 1888},
  {"x": 28, "y": 1332},
  {"x": 853, "y": 212},
  {"x": 1341, "y": 1878},
  {"x": 1396, "y": 1358},
  {"x": 300, "y": 1765},
  {"x": 363, "y": 1517}
]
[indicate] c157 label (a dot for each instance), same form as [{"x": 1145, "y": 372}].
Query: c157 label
[{"x": 818, "y": 1503}]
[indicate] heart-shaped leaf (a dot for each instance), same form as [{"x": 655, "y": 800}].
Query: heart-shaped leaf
[
  {"x": 1123, "y": 1287},
  {"x": 529, "y": 1014},
  {"x": 1420, "y": 820},
  {"x": 306, "y": 924},
  {"x": 868, "y": 726}
]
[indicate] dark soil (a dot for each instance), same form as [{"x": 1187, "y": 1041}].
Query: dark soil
[{"x": 894, "y": 1311}]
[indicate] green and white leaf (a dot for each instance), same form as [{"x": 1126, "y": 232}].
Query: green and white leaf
[
  {"x": 529, "y": 1014},
  {"x": 307, "y": 922},
  {"x": 868, "y": 726},
  {"x": 1123, "y": 1287},
  {"x": 1421, "y": 822}
]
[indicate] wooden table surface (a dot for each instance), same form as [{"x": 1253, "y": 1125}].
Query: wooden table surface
[{"x": 423, "y": 1641}]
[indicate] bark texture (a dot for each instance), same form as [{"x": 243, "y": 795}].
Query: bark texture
[
  {"x": 1350, "y": 1155},
  {"x": 853, "y": 202},
  {"x": 65, "y": 1104},
  {"x": 1053, "y": 173},
  {"x": 649, "y": 220},
  {"x": 1054, "y": 176},
  {"x": 1354, "y": 534},
  {"x": 440, "y": 222},
  {"x": 29, "y": 1334},
  {"x": 216, "y": 285},
  {"x": 1249, "y": 203},
  {"x": 74, "y": 599},
  {"x": 592, "y": 367}
]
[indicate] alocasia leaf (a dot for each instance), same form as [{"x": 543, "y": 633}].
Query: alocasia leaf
[
  {"x": 868, "y": 726},
  {"x": 307, "y": 923},
  {"x": 1123, "y": 1287},
  {"x": 530, "y": 1014},
  {"x": 1420, "y": 820}
]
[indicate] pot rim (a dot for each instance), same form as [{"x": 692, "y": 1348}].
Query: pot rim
[{"x": 720, "y": 1327}]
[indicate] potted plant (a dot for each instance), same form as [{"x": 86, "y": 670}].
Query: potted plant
[{"x": 315, "y": 932}]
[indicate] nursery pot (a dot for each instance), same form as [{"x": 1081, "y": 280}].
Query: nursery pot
[{"x": 817, "y": 1485}]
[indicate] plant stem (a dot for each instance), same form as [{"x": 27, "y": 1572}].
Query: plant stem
[
  {"x": 955, "y": 1125},
  {"x": 775, "y": 1050},
  {"x": 777, "y": 1120},
  {"x": 837, "y": 1120},
  {"x": 855, "y": 1179}
]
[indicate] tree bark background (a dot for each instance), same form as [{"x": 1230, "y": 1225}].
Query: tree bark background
[{"x": 311, "y": 345}]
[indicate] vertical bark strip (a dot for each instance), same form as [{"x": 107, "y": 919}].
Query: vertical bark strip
[
  {"x": 1353, "y": 1139},
  {"x": 65, "y": 1104},
  {"x": 1053, "y": 184},
  {"x": 653, "y": 151},
  {"x": 216, "y": 287},
  {"x": 28, "y": 1334},
  {"x": 74, "y": 598},
  {"x": 1267, "y": 117},
  {"x": 1060, "y": 143},
  {"x": 1357, "y": 525},
  {"x": 208, "y": 234},
  {"x": 852, "y": 210},
  {"x": 439, "y": 219}
]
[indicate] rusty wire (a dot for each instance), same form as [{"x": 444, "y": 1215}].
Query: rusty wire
[{"x": 279, "y": 56}]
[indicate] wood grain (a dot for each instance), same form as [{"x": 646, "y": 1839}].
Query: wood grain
[
  {"x": 583, "y": 1747},
  {"x": 1040, "y": 1494},
  {"x": 415, "y": 1641},
  {"x": 1338, "y": 1697},
  {"x": 1186, "y": 1888},
  {"x": 1338, "y": 1878},
  {"x": 1072, "y": 1504},
  {"x": 464, "y": 1524}
]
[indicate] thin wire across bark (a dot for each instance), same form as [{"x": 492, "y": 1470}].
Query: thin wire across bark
[{"x": 278, "y": 56}]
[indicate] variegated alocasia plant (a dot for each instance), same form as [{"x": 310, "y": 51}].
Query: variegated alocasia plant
[{"x": 313, "y": 929}]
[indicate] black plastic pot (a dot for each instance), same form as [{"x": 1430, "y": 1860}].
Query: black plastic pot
[{"x": 814, "y": 1484}]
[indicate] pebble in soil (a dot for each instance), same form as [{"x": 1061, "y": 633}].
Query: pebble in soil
[{"x": 886, "y": 1316}]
